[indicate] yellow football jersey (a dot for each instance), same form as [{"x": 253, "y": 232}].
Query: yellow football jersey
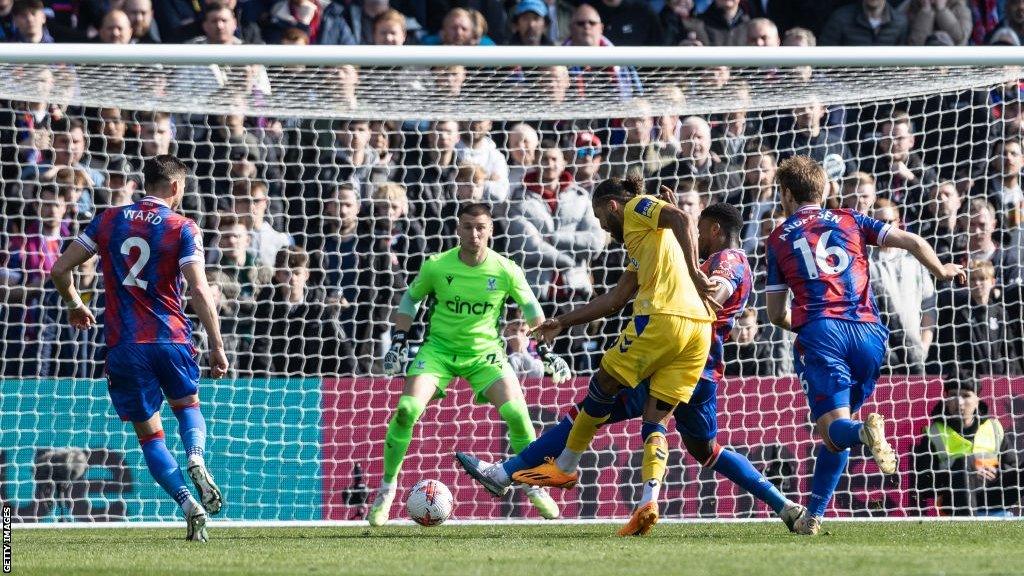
[{"x": 657, "y": 258}]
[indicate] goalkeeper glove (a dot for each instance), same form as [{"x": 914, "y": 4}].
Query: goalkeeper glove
[
  {"x": 554, "y": 365},
  {"x": 396, "y": 355}
]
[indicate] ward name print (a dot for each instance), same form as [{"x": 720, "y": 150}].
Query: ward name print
[{"x": 142, "y": 216}]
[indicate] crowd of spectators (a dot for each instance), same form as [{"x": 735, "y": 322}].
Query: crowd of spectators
[{"x": 313, "y": 227}]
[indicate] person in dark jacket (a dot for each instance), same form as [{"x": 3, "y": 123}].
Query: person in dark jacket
[
  {"x": 298, "y": 332},
  {"x": 865, "y": 23},
  {"x": 680, "y": 26},
  {"x": 726, "y": 23},
  {"x": 964, "y": 459},
  {"x": 629, "y": 22},
  {"x": 975, "y": 333}
]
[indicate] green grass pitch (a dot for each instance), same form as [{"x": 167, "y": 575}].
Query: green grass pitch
[{"x": 863, "y": 549}]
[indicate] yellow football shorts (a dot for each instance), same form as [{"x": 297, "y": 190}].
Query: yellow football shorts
[{"x": 670, "y": 350}]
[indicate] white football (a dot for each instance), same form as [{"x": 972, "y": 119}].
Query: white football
[{"x": 429, "y": 503}]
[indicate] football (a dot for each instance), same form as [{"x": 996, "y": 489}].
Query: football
[{"x": 429, "y": 503}]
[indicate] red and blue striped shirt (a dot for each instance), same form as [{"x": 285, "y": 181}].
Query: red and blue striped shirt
[
  {"x": 821, "y": 255},
  {"x": 732, "y": 266},
  {"x": 142, "y": 248}
]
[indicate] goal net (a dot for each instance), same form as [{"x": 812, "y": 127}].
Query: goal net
[{"x": 322, "y": 178}]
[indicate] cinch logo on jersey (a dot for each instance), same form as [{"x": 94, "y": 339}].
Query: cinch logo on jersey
[
  {"x": 142, "y": 216},
  {"x": 460, "y": 306},
  {"x": 825, "y": 215},
  {"x": 645, "y": 207}
]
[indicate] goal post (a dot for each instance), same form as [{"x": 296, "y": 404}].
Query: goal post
[{"x": 343, "y": 166}]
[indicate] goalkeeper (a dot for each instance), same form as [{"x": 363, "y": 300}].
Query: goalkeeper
[{"x": 469, "y": 284}]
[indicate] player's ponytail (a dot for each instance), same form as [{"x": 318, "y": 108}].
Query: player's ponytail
[
  {"x": 634, "y": 183},
  {"x": 621, "y": 189}
]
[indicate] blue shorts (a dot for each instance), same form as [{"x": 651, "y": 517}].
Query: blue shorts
[
  {"x": 140, "y": 375},
  {"x": 838, "y": 361},
  {"x": 697, "y": 418}
]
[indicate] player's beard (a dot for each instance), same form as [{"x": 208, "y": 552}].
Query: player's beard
[{"x": 616, "y": 231}]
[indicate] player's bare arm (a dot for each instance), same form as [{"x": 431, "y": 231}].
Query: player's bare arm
[
  {"x": 778, "y": 310},
  {"x": 602, "y": 306},
  {"x": 722, "y": 289},
  {"x": 924, "y": 253},
  {"x": 79, "y": 314},
  {"x": 202, "y": 303}
]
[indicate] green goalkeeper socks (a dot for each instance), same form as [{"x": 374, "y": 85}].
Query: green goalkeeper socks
[
  {"x": 520, "y": 428},
  {"x": 399, "y": 435}
]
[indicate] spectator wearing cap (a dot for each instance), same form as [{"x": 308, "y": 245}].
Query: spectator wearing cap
[
  {"x": 144, "y": 28},
  {"x": 630, "y": 22},
  {"x": 530, "y": 24},
  {"x": 927, "y": 17},
  {"x": 1013, "y": 20},
  {"x": 865, "y": 23},
  {"x": 975, "y": 332},
  {"x": 905, "y": 296},
  {"x": 726, "y": 23},
  {"x": 587, "y": 160},
  {"x": 680, "y": 26},
  {"x": 323, "y": 21},
  {"x": 29, "y": 19},
  {"x": 964, "y": 460}
]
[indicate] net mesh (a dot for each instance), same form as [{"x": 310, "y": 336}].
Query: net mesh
[{"x": 321, "y": 189}]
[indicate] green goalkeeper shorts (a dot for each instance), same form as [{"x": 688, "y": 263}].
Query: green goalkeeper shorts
[{"x": 480, "y": 369}]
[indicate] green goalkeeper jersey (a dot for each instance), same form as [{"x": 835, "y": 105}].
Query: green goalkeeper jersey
[{"x": 468, "y": 300}]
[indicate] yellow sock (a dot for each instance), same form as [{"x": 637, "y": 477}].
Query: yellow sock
[
  {"x": 583, "y": 430},
  {"x": 655, "y": 457}
]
